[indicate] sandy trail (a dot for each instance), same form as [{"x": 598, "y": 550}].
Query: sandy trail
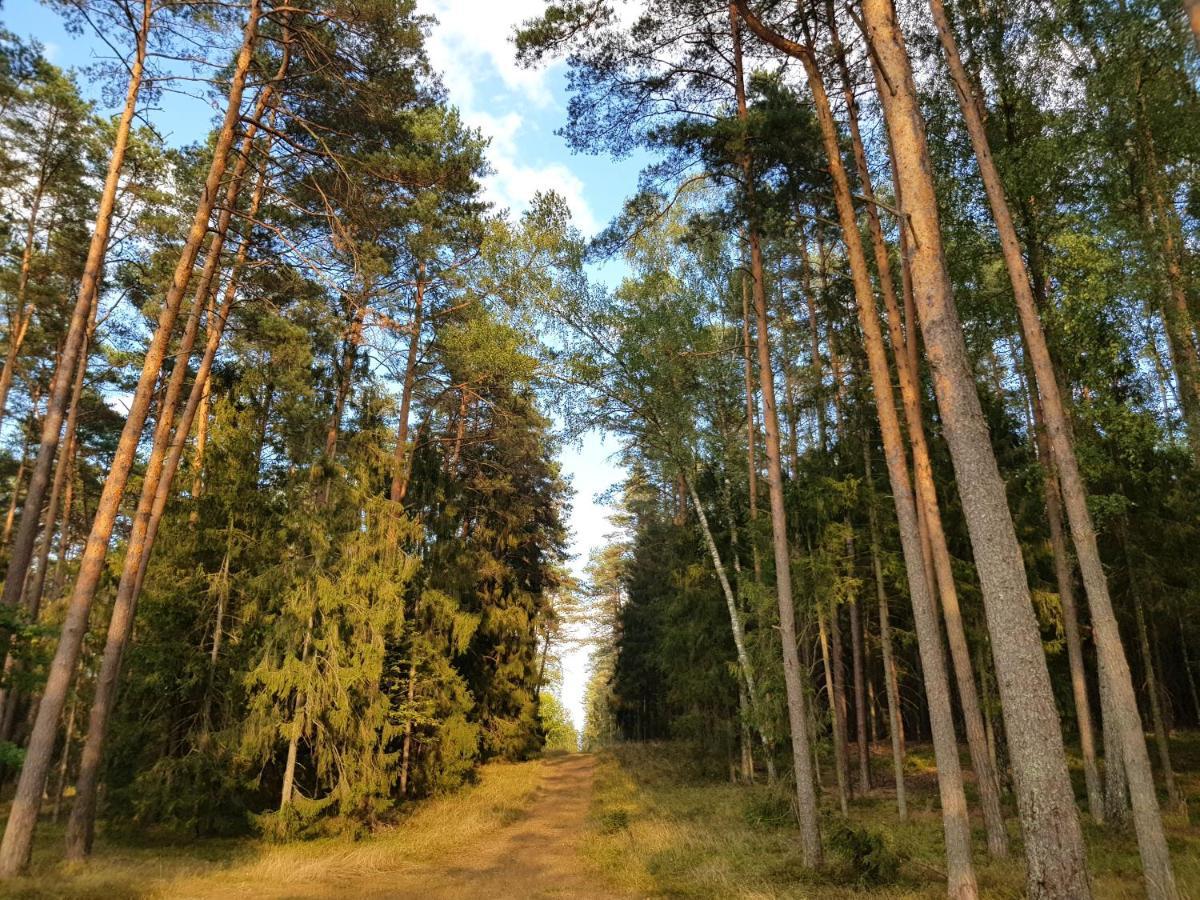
[{"x": 537, "y": 856}]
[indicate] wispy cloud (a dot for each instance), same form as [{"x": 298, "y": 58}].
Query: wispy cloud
[{"x": 471, "y": 46}]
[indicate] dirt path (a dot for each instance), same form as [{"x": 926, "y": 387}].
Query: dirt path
[{"x": 537, "y": 856}]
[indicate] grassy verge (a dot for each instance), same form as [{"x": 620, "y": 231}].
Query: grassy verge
[
  {"x": 434, "y": 833},
  {"x": 657, "y": 829}
]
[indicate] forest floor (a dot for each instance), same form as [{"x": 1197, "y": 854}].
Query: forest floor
[
  {"x": 661, "y": 828},
  {"x": 641, "y": 820},
  {"x": 515, "y": 834}
]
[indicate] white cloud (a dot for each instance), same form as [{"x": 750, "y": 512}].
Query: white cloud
[
  {"x": 471, "y": 47},
  {"x": 513, "y": 182},
  {"x": 474, "y": 33}
]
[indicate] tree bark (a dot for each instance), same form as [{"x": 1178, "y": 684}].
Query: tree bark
[
  {"x": 20, "y": 328},
  {"x": 735, "y": 623},
  {"x": 36, "y": 586},
  {"x": 936, "y": 552},
  {"x": 1192, "y": 9},
  {"x": 1116, "y": 787},
  {"x": 289, "y": 768},
  {"x": 159, "y": 477},
  {"x": 860, "y": 697},
  {"x": 1174, "y": 797},
  {"x": 64, "y": 762},
  {"x": 960, "y": 871},
  {"x": 751, "y": 429},
  {"x": 1054, "y": 850},
  {"x": 891, "y": 683},
  {"x": 1152, "y": 845},
  {"x": 793, "y": 677},
  {"x": 22, "y": 549},
  {"x": 402, "y": 462},
  {"x": 835, "y": 714},
  {"x": 1066, "y": 594},
  {"x": 18, "y": 836},
  {"x": 841, "y": 720}
]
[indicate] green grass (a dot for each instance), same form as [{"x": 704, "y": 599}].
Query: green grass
[
  {"x": 657, "y": 829},
  {"x": 432, "y": 834}
]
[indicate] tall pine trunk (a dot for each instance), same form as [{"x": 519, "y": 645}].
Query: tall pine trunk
[
  {"x": 960, "y": 871},
  {"x": 1156, "y": 861},
  {"x": 793, "y": 676},
  {"x": 21, "y": 552},
  {"x": 1056, "y": 863},
  {"x": 18, "y": 836},
  {"x": 158, "y": 477}
]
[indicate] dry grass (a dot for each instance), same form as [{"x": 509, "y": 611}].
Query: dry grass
[
  {"x": 248, "y": 868},
  {"x": 658, "y": 831}
]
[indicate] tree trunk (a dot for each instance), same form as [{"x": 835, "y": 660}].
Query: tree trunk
[
  {"x": 406, "y": 749},
  {"x": 1066, "y": 594},
  {"x": 22, "y": 549},
  {"x": 64, "y": 761},
  {"x": 1054, "y": 851},
  {"x": 814, "y": 342},
  {"x": 936, "y": 552},
  {"x": 1192, "y": 8},
  {"x": 841, "y": 720},
  {"x": 793, "y": 677},
  {"x": 961, "y": 874},
  {"x": 346, "y": 374},
  {"x": 835, "y": 714},
  {"x": 18, "y": 836},
  {"x": 1156, "y": 860},
  {"x": 1174, "y": 797},
  {"x": 20, "y": 328},
  {"x": 1187, "y": 668},
  {"x": 891, "y": 685},
  {"x": 1116, "y": 787},
  {"x": 36, "y": 586},
  {"x": 735, "y": 621},
  {"x": 751, "y": 429},
  {"x": 159, "y": 477},
  {"x": 14, "y": 498},
  {"x": 860, "y": 698},
  {"x": 402, "y": 463},
  {"x": 289, "y": 768}
]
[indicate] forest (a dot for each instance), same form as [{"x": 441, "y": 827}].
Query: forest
[{"x": 896, "y": 341}]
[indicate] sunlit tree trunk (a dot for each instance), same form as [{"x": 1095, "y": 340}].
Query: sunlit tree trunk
[
  {"x": 18, "y": 836},
  {"x": 158, "y": 478},
  {"x": 1156, "y": 861},
  {"x": 1066, "y": 594},
  {"x": 21, "y": 552},
  {"x": 19, "y": 327},
  {"x": 960, "y": 871},
  {"x": 1192, "y": 9},
  {"x": 1056, "y": 864},
  {"x": 793, "y": 676},
  {"x": 936, "y": 552},
  {"x": 402, "y": 462}
]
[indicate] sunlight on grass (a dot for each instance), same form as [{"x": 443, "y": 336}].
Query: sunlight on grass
[
  {"x": 431, "y": 835},
  {"x": 657, "y": 829}
]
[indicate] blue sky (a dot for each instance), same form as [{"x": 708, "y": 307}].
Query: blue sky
[{"x": 519, "y": 110}]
